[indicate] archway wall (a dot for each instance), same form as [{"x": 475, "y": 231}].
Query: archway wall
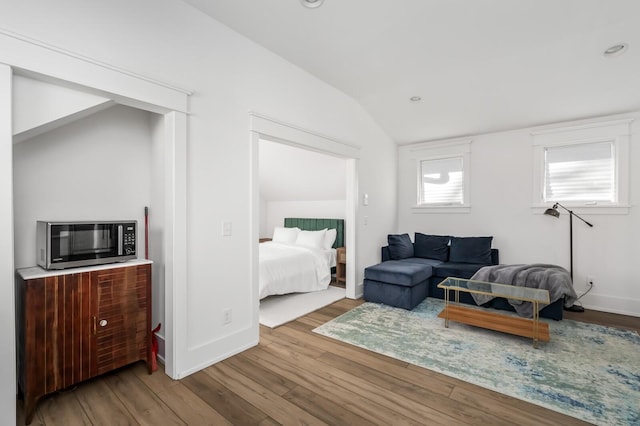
[{"x": 229, "y": 75}]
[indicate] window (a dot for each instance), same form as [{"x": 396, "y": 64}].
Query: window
[
  {"x": 583, "y": 166},
  {"x": 442, "y": 176},
  {"x": 442, "y": 182},
  {"x": 580, "y": 172}
]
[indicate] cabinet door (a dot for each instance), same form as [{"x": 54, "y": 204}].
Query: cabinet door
[
  {"x": 55, "y": 339},
  {"x": 121, "y": 322}
]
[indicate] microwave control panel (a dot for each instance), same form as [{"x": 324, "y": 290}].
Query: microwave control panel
[{"x": 129, "y": 239}]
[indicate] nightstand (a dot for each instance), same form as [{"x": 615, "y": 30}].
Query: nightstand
[{"x": 341, "y": 265}]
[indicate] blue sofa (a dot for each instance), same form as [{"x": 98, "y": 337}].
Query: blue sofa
[{"x": 411, "y": 271}]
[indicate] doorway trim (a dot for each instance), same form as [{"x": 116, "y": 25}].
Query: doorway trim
[
  {"x": 263, "y": 127},
  {"x": 39, "y": 60},
  {"x": 8, "y": 387}
]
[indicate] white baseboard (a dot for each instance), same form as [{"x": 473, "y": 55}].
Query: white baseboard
[
  {"x": 359, "y": 290},
  {"x": 614, "y": 305},
  {"x": 161, "y": 343},
  {"x": 218, "y": 359}
]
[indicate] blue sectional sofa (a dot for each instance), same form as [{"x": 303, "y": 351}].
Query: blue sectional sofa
[{"x": 411, "y": 271}]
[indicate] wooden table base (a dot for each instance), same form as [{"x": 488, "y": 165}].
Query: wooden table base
[{"x": 494, "y": 321}]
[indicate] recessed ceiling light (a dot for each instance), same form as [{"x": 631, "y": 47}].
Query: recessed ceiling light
[
  {"x": 415, "y": 99},
  {"x": 615, "y": 50},
  {"x": 312, "y": 4}
]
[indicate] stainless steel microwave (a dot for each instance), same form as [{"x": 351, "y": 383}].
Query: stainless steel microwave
[{"x": 62, "y": 245}]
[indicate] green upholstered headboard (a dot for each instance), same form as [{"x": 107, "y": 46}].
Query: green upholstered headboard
[{"x": 307, "y": 224}]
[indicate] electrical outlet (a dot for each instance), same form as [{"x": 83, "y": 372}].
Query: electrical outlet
[
  {"x": 226, "y": 229},
  {"x": 226, "y": 316},
  {"x": 590, "y": 281}
]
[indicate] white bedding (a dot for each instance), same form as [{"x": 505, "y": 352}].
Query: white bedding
[{"x": 288, "y": 268}]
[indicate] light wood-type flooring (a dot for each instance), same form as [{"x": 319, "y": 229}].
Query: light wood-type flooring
[{"x": 295, "y": 376}]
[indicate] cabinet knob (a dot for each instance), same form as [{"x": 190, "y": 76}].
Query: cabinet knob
[{"x": 103, "y": 323}]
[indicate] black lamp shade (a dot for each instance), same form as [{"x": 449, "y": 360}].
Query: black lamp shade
[{"x": 552, "y": 212}]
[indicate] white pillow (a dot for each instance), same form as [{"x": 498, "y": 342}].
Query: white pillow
[
  {"x": 312, "y": 239},
  {"x": 285, "y": 235},
  {"x": 329, "y": 238}
]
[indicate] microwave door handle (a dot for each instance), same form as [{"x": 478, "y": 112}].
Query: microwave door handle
[{"x": 120, "y": 240}]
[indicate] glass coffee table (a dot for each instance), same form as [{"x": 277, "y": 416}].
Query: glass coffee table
[{"x": 526, "y": 327}]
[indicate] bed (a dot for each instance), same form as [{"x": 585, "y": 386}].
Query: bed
[{"x": 300, "y": 256}]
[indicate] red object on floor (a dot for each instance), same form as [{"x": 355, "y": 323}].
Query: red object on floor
[
  {"x": 154, "y": 347},
  {"x": 146, "y": 232}
]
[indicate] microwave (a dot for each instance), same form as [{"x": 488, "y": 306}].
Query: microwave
[{"x": 62, "y": 245}]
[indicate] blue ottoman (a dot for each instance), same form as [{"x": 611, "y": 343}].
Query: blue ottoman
[{"x": 395, "y": 283}]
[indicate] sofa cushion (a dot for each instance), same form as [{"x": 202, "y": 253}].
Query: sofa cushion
[
  {"x": 431, "y": 246},
  {"x": 422, "y": 261},
  {"x": 470, "y": 250},
  {"x": 398, "y": 272},
  {"x": 459, "y": 270},
  {"x": 400, "y": 246}
]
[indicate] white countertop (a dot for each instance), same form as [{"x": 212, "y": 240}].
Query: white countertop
[{"x": 34, "y": 272}]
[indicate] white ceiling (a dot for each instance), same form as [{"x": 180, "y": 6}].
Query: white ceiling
[{"x": 479, "y": 65}]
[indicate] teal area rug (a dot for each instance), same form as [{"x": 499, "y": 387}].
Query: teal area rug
[{"x": 586, "y": 371}]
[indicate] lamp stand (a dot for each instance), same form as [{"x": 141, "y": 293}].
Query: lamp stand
[
  {"x": 554, "y": 212},
  {"x": 571, "y": 245},
  {"x": 574, "y": 307}
]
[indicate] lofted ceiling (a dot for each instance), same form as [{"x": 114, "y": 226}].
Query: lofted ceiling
[{"x": 478, "y": 65}]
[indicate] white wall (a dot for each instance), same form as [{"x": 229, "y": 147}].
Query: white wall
[
  {"x": 39, "y": 106},
  {"x": 263, "y": 225},
  {"x": 290, "y": 173},
  {"x": 230, "y": 76},
  {"x": 97, "y": 168},
  {"x": 296, "y": 182},
  {"x": 501, "y": 205}
]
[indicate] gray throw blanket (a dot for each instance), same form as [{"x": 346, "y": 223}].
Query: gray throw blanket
[{"x": 554, "y": 278}]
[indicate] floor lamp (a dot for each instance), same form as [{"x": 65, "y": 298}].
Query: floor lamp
[{"x": 553, "y": 211}]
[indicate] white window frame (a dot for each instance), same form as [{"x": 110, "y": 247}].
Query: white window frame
[
  {"x": 439, "y": 151},
  {"x": 617, "y": 131}
]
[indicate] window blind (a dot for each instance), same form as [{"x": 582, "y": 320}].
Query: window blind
[
  {"x": 442, "y": 181},
  {"x": 580, "y": 172}
]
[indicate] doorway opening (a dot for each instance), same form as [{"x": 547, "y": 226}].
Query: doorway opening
[{"x": 266, "y": 130}]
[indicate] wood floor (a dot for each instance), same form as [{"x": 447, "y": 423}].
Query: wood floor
[{"x": 295, "y": 376}]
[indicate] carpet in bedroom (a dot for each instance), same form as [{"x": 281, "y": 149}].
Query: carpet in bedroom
[
  {"x": 278, "y": 310},
  {"x": 586, "y": 371}
]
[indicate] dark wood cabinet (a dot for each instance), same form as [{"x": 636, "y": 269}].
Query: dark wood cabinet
[{"x": 77, "y": 324}]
